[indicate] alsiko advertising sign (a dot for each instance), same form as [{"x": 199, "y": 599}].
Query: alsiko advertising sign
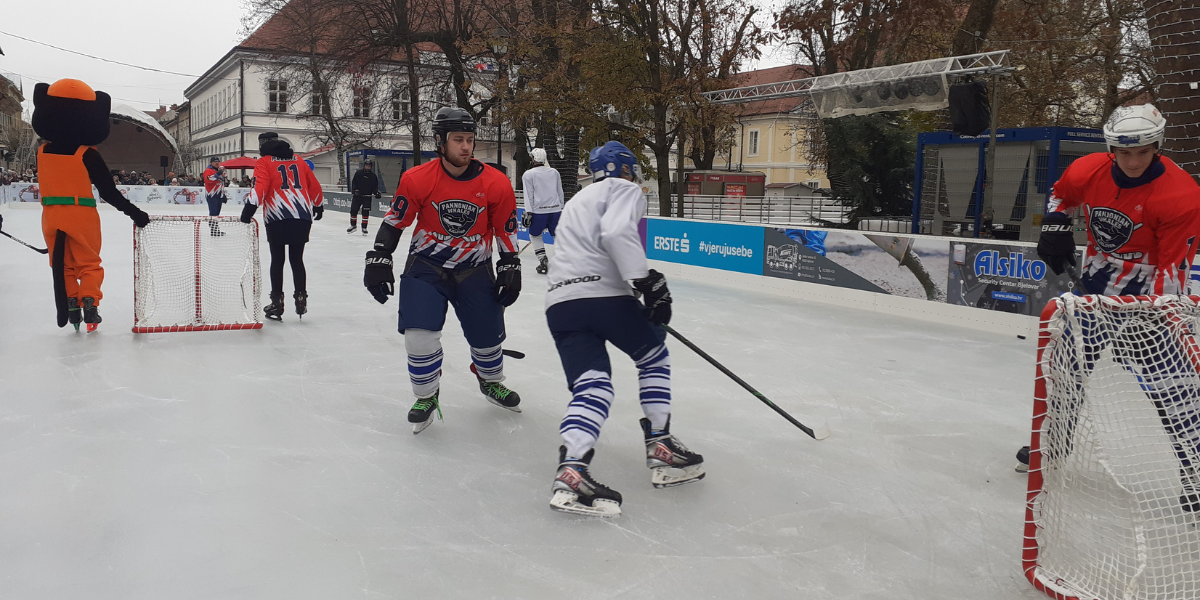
[{"x": 713, "y": 245}]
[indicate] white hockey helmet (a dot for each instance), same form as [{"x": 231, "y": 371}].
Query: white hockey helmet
[
  {"x": 1133, "y": 126},
  {"x": 538, "y": 155}
]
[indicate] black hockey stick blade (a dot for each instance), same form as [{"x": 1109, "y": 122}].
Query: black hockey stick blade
[
  {"x": 60, "y": 281},
  {"x": 31, "y": 247},
  {"x": 513, "y": 353},
  {"x": 819, "y": 432}
]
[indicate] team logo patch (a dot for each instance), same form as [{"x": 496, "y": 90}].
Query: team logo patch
[
  {"x": 1111, "y": 228},
  {"x": 458, "y": 216}
]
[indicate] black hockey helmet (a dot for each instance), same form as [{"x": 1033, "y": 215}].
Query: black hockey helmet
[{"x": 450, "y": 119}]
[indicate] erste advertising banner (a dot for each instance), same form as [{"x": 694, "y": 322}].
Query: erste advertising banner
[{"x": 704, "y": 244}]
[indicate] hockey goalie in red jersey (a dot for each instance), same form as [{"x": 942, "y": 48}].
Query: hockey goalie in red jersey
[
  {"x": 1142, "y": 211},
  {"x": 460, "y": 207}
]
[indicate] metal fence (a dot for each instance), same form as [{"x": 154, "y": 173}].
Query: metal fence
[{"x": 799, "y": 210}]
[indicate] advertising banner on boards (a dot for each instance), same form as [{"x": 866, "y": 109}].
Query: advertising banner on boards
[
  {"x": 1004, "y": 278},
  {"x": 706, "y": 244}
]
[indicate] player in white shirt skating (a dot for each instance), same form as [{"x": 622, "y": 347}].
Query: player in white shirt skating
[
  {"x": 543, "y": 204},
  {"x": 598, "y": 252}
]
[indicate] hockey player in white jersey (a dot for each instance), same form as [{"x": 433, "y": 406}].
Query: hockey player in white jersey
[
  {"x": 598, "y": 253},
  {"x": 543, "y": 204}
]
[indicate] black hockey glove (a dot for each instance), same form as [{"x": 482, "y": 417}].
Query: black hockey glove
[
  {"x": 656, "y": 296},
  {"x": 248, "y": 212},
  {"x": 139, "y": 216},
  {"x": 378, "y": 276},
  {"x": 508, "y": 278},
  {"x": 526, "y": 219},
  {"x": 318, "y": 212},
  {"x": 1056, "y": 246}
]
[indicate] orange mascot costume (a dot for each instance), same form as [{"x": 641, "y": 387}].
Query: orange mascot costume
[{"x": 72, "y": 118}]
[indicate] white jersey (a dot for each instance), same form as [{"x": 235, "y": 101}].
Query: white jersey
[
  {"x": 597, "y": 249},
  {"x": 543, "y": 190}
]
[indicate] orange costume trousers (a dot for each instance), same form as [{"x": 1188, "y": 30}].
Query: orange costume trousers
[{"x": 81, "y": 257}]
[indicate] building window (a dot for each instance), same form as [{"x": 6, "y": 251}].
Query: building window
[
  {"x": 317, "y": 106},
  {"x": 362, "y": 102},
  {"x": 813, "y": 183},
  {"x": 400, "y": 104},
  {"x": 752, "y": 144},
  {"x": 277, "y": 96}
]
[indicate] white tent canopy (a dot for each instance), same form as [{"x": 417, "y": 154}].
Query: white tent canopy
[{"x": 137, "y": 142}]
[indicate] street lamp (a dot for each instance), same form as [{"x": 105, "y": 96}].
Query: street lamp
[{"x": 499, "y": 50}]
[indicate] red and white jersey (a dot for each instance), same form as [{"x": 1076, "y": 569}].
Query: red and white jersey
[
  {"x": 285, "y": 188},
  {"x": 457, "y": 218},
  {"x": 1141, "y": 240},
  {"x": 213, "y": 186}
]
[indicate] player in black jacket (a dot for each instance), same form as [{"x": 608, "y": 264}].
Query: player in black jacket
[{"x": 363, "y": 185}]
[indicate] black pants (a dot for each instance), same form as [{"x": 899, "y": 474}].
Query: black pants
[
  {"x": 292, "y": 235},
  {"x": 360, "y": 203}
]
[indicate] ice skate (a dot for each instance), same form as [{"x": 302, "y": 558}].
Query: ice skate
[
  {"x": 574, "y": 490},
  {"x": 74, "y": 315},
  {"x": 421, "y": 414},
  {"x": 353, "y": 226},
  {"x": 670, "y": 462},
  {"x": 274, "y": 310},
  {"x": 497, "y": 393},
  {"x": 301, "y": 303},
  {"x": 364, "y": 231},
  {"x": 91, "y": 314},
  {"x": 1023, "y": 460},
  {"x": 543, "y": 265},
  {"x": 1189, "y": 500}
]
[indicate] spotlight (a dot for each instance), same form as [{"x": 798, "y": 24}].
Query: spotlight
[
  {"x": 901, "y": 90},
  {"x": 884, "y": 91},
  {"x": 933, "y": 87},
  {"x": 857, "y": 94}
]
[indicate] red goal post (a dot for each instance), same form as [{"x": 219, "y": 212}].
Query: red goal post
[
  {"x": 1114, "y": 450},
  {"x": 196, "y": 273}
]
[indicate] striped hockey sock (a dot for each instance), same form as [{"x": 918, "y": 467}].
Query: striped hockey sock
[
  {"x": 424, "y": 350},
  {"x": 489, "y": 363},
  {"x": 654, "y": 386},
  {"x": 592, "y": 396}
]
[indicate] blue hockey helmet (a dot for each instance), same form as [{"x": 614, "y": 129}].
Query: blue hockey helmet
[{"x": 613, "y": 159}]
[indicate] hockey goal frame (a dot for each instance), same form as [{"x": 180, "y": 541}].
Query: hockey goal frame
[
  {"x": 197, "y": 220},
  {"x": 1056, "y": 587}
]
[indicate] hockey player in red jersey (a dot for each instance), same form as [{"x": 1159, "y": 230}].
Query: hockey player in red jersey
[
  {"x": 460, "y": 206},
  {"x": 292, "y": 199},
  {"x": 1143, "y": 220}
]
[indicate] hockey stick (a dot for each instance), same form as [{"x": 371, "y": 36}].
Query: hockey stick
[
  {"x": 819, "y": 433},
  {"x": 513, "y": 353},
  {"x": 35, "y": 249}
]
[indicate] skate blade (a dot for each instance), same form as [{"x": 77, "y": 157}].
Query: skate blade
[
  {"x": 1021, "y": 468},
  {"x": 91, "y": 327},
  {"x": 419, "y": 427},
  {"x": 515, "y": 409},
  {"x": 564, "y": 501},
  {"x": 76, "y": 326},
  {"x": 275, "y": 317},
  {"x": 665, "y": 477}
]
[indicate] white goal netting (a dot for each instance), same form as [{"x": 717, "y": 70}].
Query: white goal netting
[
  {"x": 195, "y": 274},
  {"x": 1112, "y": 507}
]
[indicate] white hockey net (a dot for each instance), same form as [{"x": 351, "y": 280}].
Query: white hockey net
[
  {"x": 195, "y": 273},
  {"x": 1113, "y": 450}
]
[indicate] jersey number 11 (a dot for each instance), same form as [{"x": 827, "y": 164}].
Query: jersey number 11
[{"x": 283, "y": 174}]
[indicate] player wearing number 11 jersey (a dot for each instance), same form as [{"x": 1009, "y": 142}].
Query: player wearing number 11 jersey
[{"x": 291, "y": 199}]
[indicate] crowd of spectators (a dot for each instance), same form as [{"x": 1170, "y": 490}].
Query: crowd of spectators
[
  {"x": 12, "y": 176},
  {"x": 123, "y": 178}
]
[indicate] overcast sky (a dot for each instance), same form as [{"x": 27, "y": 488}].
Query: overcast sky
[{"x": 183, "y": 36}]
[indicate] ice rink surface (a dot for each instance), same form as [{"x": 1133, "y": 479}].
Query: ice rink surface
[{"x": 279, "y": 464}]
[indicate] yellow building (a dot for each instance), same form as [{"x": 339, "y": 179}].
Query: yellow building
[{"x": 771, "y": 135}]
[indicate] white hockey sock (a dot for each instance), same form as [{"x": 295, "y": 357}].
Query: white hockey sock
[
  {"x": 539, "y": 247},
  {"x": 654, "y": 385},
  {"x": 424, "y": 348},
  {"x": 489, "y": 363},
  {"x": 592, "y": 396}
]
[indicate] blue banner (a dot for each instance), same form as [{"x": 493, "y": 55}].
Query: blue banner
[
  {"x": 713, "y": 245},
  {"x": 523, "y": 234}
]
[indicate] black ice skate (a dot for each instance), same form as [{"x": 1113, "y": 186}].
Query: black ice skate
[
  {"x": 301, "y": 303},
  {"x": 574, "y": 490},
  {"x": 421, "y": 415},
  {"x": 1189, "y": 500},
  {"x": 543, "y": 265},
  {"x": 364, "y": 230},
  {"x": 1023, "y": 460},
  {"x": 497, "y": 393},
  {"x": 670, "y": 462},
  {"x": 91, "y": 314},
  {"x": 274, "y": 310},
  {"x": 74, "y": 315},
  {"x": 353, "y": 226}
]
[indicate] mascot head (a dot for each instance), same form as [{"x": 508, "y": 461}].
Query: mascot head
[{"x": 69, "y": 111}]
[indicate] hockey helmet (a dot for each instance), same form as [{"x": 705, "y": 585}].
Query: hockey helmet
[
  {"x": 450, "y": 119},
  {"x": 1133, "y": 126},
  {"x": 538, "y": 155},
  {"x": 613, "y": 159}
]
